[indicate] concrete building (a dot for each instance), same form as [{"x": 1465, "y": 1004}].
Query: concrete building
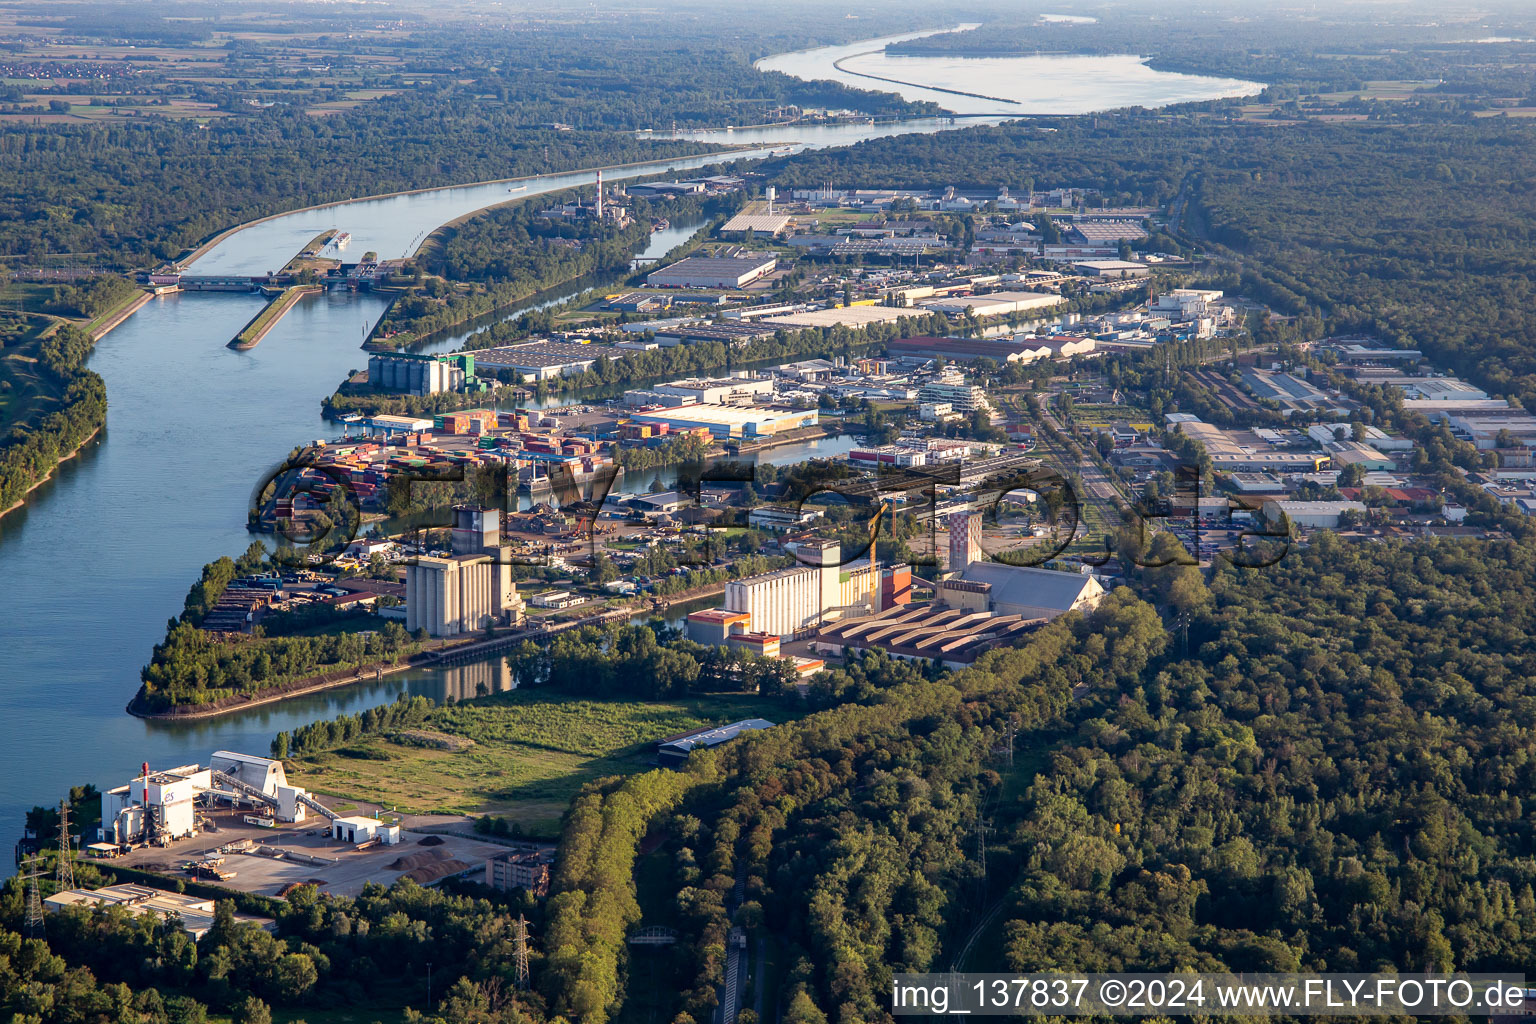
[
  {"x": 961, "y": 398},
  {"x": 708, "y": 390},
  {"x": 964, "y": 540},
  {"x": 521, "y": 869},
  {"x": 711, "y": 627},
  {"x": 460, "y": 594},
  {"x": 786, "y": 602},
  {"x": 420, "y": 374},
  {"x": 965, "y": 349},
  {"x": 712, "y": 272}
]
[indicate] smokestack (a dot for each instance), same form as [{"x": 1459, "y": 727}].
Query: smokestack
[
  {"x": 599, "y": 195},
  {"x": 146, "y": 783}
]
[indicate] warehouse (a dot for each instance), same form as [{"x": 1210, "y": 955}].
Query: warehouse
[
  {"x": 843, "y": 316},
  {"x": 1312, "y": 515},
  {"x": 995, "y": 304},
  {"x": 966, "y": 349},
  {"x": 1112, "y": 268},
  {"x": 675, "y": 749},
  {"x": 733, "y": 334},
  {"x": 539, "y": 360},
  {"x": 771, "y": 224},
  {"x": 712, "y": 272},
  {"x": 728, "y": 421}
]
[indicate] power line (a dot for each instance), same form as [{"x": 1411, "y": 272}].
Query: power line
[
  {"x": 66, "y": 865},
  {"x": 33, "y": 928},
  {"x": 520, "y": 951}
]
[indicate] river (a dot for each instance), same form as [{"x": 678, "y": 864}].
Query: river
[
  {"x": 1008, "y": 86},
  {"x": 102, "y": 554}
]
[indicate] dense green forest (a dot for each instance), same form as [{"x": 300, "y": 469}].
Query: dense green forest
[
  {"x": 468, "y": 102},
  {"x": 30, "y": 451}
]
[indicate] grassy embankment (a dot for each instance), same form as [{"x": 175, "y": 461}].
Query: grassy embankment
[
  {"x": 253, "y": 332},
  {"x": 532, "y": 752}
]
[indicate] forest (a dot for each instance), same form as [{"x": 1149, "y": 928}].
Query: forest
[{"x": 32, "y": 450}]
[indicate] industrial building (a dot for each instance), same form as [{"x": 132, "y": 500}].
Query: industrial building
[
  {"x": 1312, "y": 515},
  {"x": 789, "y": 602},
  {"x": 539, "y": 360},
  {"x": 700, "y": 332},
  {"x": 703, "y": 391},
  {"x": 423, "y": 374},
  {"x": 162, "y": 806},
  {"x": 995, "y": 304},
  {"x": 361, "y": 830},
  {"x": 728, "y": 421},
  {"x": 965, "y": 349},
  {"x": 521, "y": 869},
  {"x": 1004, "y": 589},
  {"x": 676, "y": 749},
  {"x": 194, "y": 913},
  {"x": 770, "y": 224},
  {"x": 1113, "y": 269},
  {"x": 955, "y": 636},
  {"x": 712, "y": 272},
  {"x": 469, "y": 590},
  {"x": 842, "y": 316}
]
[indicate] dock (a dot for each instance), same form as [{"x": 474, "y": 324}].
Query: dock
[{"x": 252, "y": 333}]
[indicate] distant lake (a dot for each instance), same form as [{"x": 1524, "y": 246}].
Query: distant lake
[{"x": 1044, "y": 84}]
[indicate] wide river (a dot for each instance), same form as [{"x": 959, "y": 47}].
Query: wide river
[
  {"x": 1008, "y": 86},
  {"x": 102, "y": 555}
]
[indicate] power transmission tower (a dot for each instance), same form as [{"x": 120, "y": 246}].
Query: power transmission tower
[
  {"x": 520, "y": 952},
  {"x": 33, "y": 929},
  {"x": 66, "y": 865}
]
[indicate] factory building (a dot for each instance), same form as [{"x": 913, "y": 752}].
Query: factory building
[
  {"x": 728, "y": 421},
  {"x": 160, "y": 806},
  {"x": 469, "y": 590},
  {"x": 364, "y": 830},
  {"x": 995, "y": 304},
  {"x": 421, "y": 374},
  {"x": 539, "y": 360},
  {"x": 789, "y": 602},
  {"x": 977, "y": 584},
  {"x": 712, "y": 272}
]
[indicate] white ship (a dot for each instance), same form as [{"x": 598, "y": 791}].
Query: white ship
[{"x": 341, "y": 240}]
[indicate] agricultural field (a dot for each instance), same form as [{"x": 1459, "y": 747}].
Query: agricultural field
[{"x": 529, "y": 753}]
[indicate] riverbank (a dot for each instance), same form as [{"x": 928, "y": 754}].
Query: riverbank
[
  {"x": 297, "y": 688},
  {"x": 49, "y": 475},
  {"x": 204, "y": 248},
  {"x": 113, "y": 318},
  {"x": 251, "y": 334}
]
